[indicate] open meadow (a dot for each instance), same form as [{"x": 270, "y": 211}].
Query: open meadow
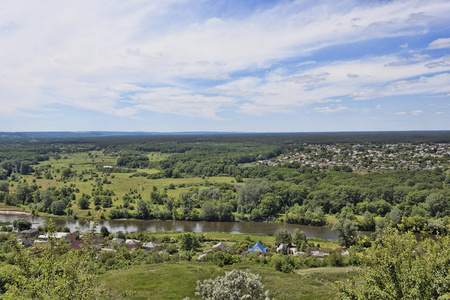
[{"x": 176, "y": 281}]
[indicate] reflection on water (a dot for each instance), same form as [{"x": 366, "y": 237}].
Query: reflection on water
[{"x": 182, "y": 226}]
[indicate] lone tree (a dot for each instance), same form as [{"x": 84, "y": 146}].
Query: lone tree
[
  {"x": 298, "y": 237},
  {"x": 83, "y": 202},
  {"x": 282, "y": 236},
  {"x": 234, "y": 285},
  {"x": 347, "y": 229},
  {"x": 21, "y": 224},
  {"x": 188, "y": 241},
  {"x": 104, "y": 231}
]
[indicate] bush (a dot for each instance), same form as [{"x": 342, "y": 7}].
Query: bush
[
  {"x": 83, "y": 203},
  {"x": 221, "y": 259},
  {"x": 234, "y": 285},
  {"x": 21, "y": 224},
  {"x": 283, "y": 263},
  {"x": 58, "y": 207}
]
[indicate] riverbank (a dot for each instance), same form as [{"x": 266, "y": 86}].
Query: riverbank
[
  {"x": 180, "y": 226},
  {"x": 15, "y": 212}
]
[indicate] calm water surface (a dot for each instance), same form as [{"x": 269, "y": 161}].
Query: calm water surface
[{"x": 182, "y": 226}]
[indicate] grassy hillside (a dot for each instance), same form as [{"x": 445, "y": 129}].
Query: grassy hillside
[{"x": 178, "y": 280}]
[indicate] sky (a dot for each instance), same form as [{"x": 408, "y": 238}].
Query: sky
[{"x": 229, "y": 66}]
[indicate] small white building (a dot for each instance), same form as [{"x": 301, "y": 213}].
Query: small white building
[
  {"x": 220, "y": 246},
  {"x": 150, "y": 246},
  {"x": 131, "y": 243},
  {"x": 57, "y": 235}
]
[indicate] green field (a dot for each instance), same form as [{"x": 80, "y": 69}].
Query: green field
[
  {"x": 120, "y": 183},
  {"x": 178, "y": 280}
]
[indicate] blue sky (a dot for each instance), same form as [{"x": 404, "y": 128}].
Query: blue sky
[{"x": 253, "y": 66}]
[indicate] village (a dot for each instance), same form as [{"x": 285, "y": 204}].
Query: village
[
  {"x": 368, "y": 157},
  {"x": 168, "y": 246}
]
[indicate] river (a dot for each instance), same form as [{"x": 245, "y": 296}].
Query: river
[{"x": 182, "y": 226}]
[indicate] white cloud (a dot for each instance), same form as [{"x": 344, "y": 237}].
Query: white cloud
[
  {"x": 416, "y": 112},
  {"x": 327, "y": 109},
  {"x": 440, "y": 44},
  {"x": 181, "y": 102},
  {"x": 413, "y": 113},
  {"x": 444, "y": 62},
  {"x": 124, "y": 57}
]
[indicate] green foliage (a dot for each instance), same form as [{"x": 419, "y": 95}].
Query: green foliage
[
  {"x": 21, "y": 224},
  {"x": 58, "y": 207},
  {"x": 399, "y": 266},
  {"x": 142, "y": 211},
  {"x": 437, "y": 205},
  {"x": 4, "y": 186},
  {"x": 188, "y": 241},
  {"x": 134, "y": 161},
  {"x": 292, "y": 191},
  {"x": 282, "y": 236},
  {"x": 347, "y": 229},
  {"x": 53, "y": 274},
  {"x": 218, "y": 211},
  {"x": 298, "y": 238},
  {"x": 83, "y": 202},
  {"x": 221, "y": 259},
  {"x": 250, "y": 193},
  {"x": 104, "y": 231},
  {"x": 283, "y": 263}
]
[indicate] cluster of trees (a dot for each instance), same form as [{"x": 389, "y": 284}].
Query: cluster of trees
[
  {"x": 52, "y": 200},
  {"x": 49, "y": 271},
  {"x": 400, "y": 266},
  {"x": 134, "y": 161},
  {"x": 208, "y": 203},
  {"x": 292, "y": 193}
]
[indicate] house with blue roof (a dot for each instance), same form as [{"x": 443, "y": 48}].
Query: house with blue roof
[{"x": 258, "y": 248}]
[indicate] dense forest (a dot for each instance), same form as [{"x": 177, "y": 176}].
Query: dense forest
[{"x": 236, "y": 177}]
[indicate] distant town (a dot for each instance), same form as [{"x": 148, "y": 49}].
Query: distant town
[{"x": 370, "y": 157}]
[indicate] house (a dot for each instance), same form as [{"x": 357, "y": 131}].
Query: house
[
  {"x": 319, "y": 254},
  {"x": 299, "y": 253},
  {"x": 118, "y": 240},
  {"x": 76, "y": 245},
  {"x": 31, "y": 233},
  {"x": 150, "y": 246},
  {"x": 131, "y": 243},
  {"x": 57, "y": 235},
  {"x": 71, "y": 237},
  {"x": 283, "y": 248},
  {"x": 220, "y": 246},
  {"x": 39, "y": 242},
  {"x": 257, "y": 248},
  {"x": 25, "y": 242}
]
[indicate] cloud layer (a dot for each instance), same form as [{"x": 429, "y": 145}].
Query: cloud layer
[{"x": 198, "y": 59}]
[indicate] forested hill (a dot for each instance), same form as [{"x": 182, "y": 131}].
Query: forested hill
[{"x": 304, "y": 137}]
